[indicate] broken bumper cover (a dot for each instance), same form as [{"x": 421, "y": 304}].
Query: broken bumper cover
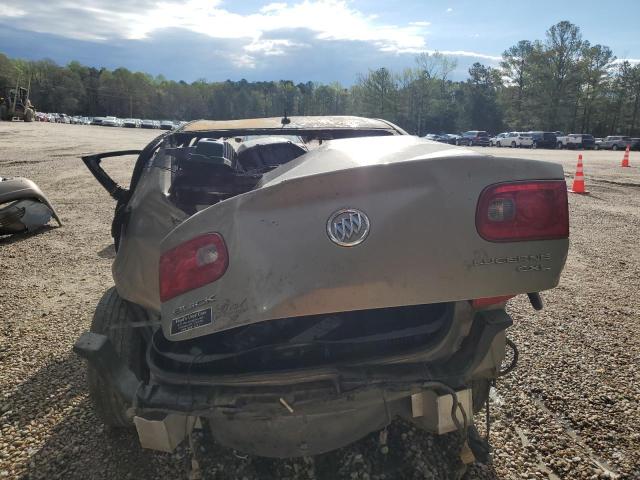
[
  {"x": 308, "y": 415},
  {"x": 18, "y": 188}
]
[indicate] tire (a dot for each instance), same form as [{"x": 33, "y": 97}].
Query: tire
[
  {"x": 114, "y": 311},
  {"x": 3, "y": 112},
  {"x": 498, "y": 144},
  {"x": 28, "y": 115},
  {"x": 513, "y": 144},
  {"x": 614, "y": 148}
]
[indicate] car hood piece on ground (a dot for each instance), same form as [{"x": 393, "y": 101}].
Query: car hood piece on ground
[{"x": 23, "y": 206}]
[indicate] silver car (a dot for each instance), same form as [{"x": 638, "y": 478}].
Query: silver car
[
  {"x": 499, "y": 140},
  {"x": 110, "y": 122},
  {"x": 297, "y": 283}
]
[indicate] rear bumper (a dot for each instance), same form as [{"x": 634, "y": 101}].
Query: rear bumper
[{"x": 309, "y": 414}]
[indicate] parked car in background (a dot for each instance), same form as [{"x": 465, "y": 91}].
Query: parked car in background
[
  {"x": 509, "y": 140},
  {"x": 523, "y": 139},
  {"x": 588, "y": 141},
  {"x": 433, "y": 136},
  {"x": 575, "y": 140},
  {"x": 97, "y": 120},
  {"x": 109, "y": 122},
  {"x": 498, "y": 140},
  {"x": 147, "y": 124},
  {"x": 635, "y": 144},
  {"x": 130, "y": 123},
  {"x": 63, "y": 118},
  {"x": 449, "y": 138},
  {"x": 614, "y": 142},
  {"x": 537, "y": 139},
  {"x": 474, "y": 137},
  {"x": 167, "y": 125}
]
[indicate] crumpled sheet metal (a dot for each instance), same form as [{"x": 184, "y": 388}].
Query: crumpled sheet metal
[{"x": 29, "y": 206}]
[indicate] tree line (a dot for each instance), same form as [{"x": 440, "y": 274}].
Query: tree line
[{"x": 561, "y": 82}]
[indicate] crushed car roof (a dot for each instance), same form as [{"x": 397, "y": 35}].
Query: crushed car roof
[{"x": 295, "y": 123}]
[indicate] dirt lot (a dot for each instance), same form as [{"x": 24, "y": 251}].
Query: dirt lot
[{"x": 570, "y": 410}]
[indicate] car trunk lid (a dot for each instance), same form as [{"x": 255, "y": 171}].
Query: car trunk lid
[{"x": 422, "y": 247}]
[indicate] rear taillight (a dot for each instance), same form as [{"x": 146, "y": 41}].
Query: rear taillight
[
  {"x": 192, "y": 264},
  {"x": 519, "y": 211}
]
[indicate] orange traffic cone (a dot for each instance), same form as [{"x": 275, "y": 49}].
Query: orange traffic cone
[
  {"x": 625, "y": 159},
  {"x": 578, "y": 179}
]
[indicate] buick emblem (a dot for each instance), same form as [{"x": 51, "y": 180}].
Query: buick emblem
[{"x": 348, "y": 227}]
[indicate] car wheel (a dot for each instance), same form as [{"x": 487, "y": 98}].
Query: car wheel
[
  {"x": 113, "y": 317},
  {"x": 3, "y": 112},
  {"x": 614, "y": 148},
  {"x": 498, "y": 145},
  {"x": 513, "y": 144}
]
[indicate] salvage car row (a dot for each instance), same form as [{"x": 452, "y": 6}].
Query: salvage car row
[
  {"x": 109, "y": 121},
  {"x": 537, "y": 139}
]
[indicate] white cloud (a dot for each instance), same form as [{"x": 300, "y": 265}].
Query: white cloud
[
  {"x": 272, "y": 7},
  {"x": 270, "y": 47},
  {"x": 273, "y": 30},
  {"x": 242, "y": 61},
  {"x": 139, "y": 19},
  {"x": 11, "y": 11},
  {"x": 449, "y": 10},
  {"x": 465, "y": 53},
  {"x": 632, "y": 61}
]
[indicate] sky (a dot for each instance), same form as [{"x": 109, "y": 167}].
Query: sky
[{"x": 299, "y": 40}]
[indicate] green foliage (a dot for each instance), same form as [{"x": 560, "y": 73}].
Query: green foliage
[{"x": 559, "y": 83}]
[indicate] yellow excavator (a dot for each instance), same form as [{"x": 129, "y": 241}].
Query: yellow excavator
[{"x": 15, "y": 104}]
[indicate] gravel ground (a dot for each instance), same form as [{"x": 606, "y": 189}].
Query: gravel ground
[{"x": 570, "y": 410}]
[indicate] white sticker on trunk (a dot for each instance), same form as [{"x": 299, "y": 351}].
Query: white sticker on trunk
[{"x": 190, "y": 321}]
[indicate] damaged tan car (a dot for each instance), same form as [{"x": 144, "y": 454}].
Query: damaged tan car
[{"x": 297, "y": 283}]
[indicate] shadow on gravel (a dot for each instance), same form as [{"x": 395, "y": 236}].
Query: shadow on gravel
[
  {"x": 408, "y": 454},
  {"x": 54, "y": 421},
  {"x": 81, "y": 448},
  {"x": 108, "y": 252},
  {"x": 18, "y": 237}
]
